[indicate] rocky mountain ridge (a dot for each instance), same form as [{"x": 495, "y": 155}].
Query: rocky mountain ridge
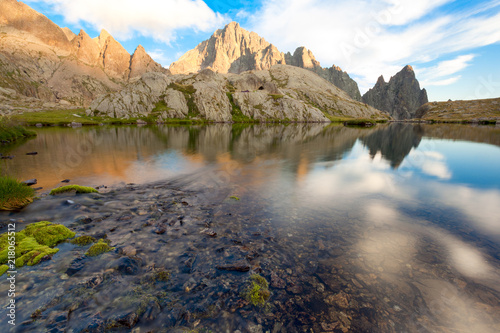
[
  {"x": 280, "y": 93},
  {"x": 400, "y": 97},
  {"x": 236, "y": 50},
  {"x": 474, "y": 111},
  {"x": 41, "y": 62}
]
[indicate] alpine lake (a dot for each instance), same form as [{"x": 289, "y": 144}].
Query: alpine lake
[{"x": 394, "y": 228}]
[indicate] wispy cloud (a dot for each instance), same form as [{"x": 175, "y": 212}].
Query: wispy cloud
[
  {"x": 369, "y": 38},
  {"x": 444, "y": 72},
  {"x": 160, "y": 57},
  {"x": 125, "y": 19}
]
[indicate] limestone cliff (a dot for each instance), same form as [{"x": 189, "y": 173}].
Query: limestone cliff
[
  {"x": 280, "y": 93},
  {"x": 229, "y": 50},
  {"x": 42, "y": 63},
  {"x": 235, "y": 50},
  {"x": 85, "y": 49},
  {"x": 18, "y": 16},
  {"x": 113, "y": 57},
  {"x": 141, "y": 63},
  {"x": 400, "y": 97},
  {"x": 304, "y": 58}
]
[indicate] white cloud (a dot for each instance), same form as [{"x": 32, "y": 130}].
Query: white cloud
[
  {"x": 445, "y": 82},
  {"x": 450, "y": 67},
  {"x": 439, "y": 75},
  {"x": 160, "y": 57},
  {"x": 369, "y": 38},
  {"x": 125, "y": 19}
]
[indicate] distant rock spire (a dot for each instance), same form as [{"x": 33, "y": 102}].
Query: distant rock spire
[{"x": 401, "y": 96}]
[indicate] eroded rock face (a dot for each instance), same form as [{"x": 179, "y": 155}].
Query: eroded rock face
[
  {"x": 280, "y": 93},
  {"x": 41, "y": 61},
  {"x": 229, "y": 50},
  {"x": 401, "y": 96},
  {"x": 236, "y": 50},
  {"x": 141, "y": 63}
]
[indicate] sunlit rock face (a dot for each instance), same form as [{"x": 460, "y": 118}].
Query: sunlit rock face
[
  {"x": 280, "y": 93},
  {"x": 41, "y": 61},
  {"x": 235, "y": 50}
]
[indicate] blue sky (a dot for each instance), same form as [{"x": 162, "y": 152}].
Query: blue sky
[{"x": 453, "y": 45}]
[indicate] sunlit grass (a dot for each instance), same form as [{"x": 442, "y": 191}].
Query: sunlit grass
[{"x": 13, "y": 194}]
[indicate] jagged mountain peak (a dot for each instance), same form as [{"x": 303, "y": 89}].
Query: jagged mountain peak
[
  {"x": 70, "y": 67},
  {"x": 69, "y": 34},
  {"x": 103, "y": 37},
  {"x": 380, "y": 81},
  {"x": 236, "y": 50},
  {"x": 139, "y": 49},
  {"x": 408, "y": 68},
  {"x": 401, "y": 96}
]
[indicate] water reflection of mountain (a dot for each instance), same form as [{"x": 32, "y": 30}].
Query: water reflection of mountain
[
  {"x": 113, "y": 154},
  {"x": 394, "y": 141}
]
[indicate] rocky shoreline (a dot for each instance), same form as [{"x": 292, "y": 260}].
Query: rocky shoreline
[{"x": 185, "y": 253}]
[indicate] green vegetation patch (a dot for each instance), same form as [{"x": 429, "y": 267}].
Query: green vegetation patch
[
  {"x": 98, "y": 248},
  {"x": 83, "y": 240},
  {"x": 234, "y": 198},
  {"x": 276, "y": 96},
  {"x": 10, "y": 132},
  {"x": 188, "y": 91},
  {"x": 257, "y": 291},
  {"x": 68, "y": 188},
  {"x": 48, "y": 234},
  {"x": 360, "y": 122},
  {"x": 236, "y": 113},
  {"x": 3, "y": 269},
  {"x": 53, "y": 117},
  {"x": 14, "y": 194},
  {"x": 34, "y": 243},
  {"x": 160, "y": 106}
]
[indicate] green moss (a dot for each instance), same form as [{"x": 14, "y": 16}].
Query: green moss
[
  {"x": 99, "y": 248},
  {"x": 13, "y": 194},
  {"x": 77, "y": 188},
  {"x": 234, "y": 198},
  {"x": 163, "y": 276},
  {"x": 3, "y": 269},
  {"x": 48, "y": 234},
  {"x": 34, "y": 242},
  {"x": 257, "y": 291},
  {"x": 276, "y": 96},
  {"x": 83, "y": 240}
]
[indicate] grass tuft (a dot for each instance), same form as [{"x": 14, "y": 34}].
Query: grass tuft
[
  {"x": 10, "y": 132},
  {"x": 14, "y": 195}
]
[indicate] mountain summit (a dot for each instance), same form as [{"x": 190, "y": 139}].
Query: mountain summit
[
  {"x": 40, "y": 60},
  {"x": 401, "y": 96},
  {"x": 229, "y": 50},
  {"x": 236, "y": 50}
]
